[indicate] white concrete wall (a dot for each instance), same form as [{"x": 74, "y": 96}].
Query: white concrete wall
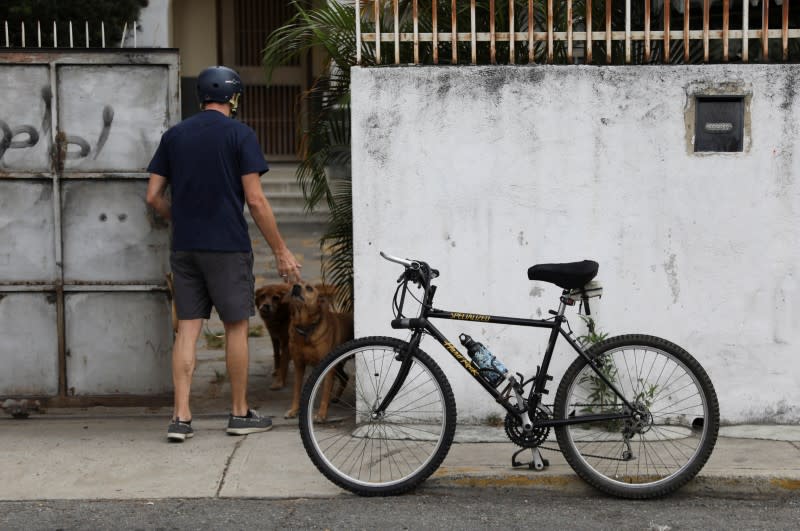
[
  {"x": 154, "y": 26},
  {"x": 485, "y": 171}
]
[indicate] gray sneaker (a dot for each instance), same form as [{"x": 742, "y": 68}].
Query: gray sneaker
[
  {"x": 179, "y": 431},
  {"x": 252, "y": 423}
]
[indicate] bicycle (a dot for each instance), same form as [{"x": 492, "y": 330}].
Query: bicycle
[{"x": 635, "y": 416}]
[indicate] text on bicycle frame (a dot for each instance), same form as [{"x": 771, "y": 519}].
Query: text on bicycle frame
[
  {"x": 461, "y": 359},
  {"x": 470, "y": 317}
]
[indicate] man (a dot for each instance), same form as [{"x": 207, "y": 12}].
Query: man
[{"x": 212, "y": 165}]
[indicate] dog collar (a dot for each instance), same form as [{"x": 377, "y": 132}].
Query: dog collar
[{"x": 307, "y": 331}]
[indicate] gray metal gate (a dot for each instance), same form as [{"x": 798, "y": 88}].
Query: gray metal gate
[{"x": 84, "y": 313}]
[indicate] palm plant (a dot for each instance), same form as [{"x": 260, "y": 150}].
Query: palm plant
[{"x": 324, "y": 124}]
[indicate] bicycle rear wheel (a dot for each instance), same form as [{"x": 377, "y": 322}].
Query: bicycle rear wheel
[
  {"x": 377, "y": 454},
  {"x": 676, "y": 428}
]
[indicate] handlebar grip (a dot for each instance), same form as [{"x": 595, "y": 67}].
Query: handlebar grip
[
  {"x": 406, "y": 323},
  {"x": 397, "y": 260}
]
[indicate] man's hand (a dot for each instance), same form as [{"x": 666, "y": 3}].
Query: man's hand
[
  {"x": 287, "y": 266},
  {"x": 156, "y": 188}
]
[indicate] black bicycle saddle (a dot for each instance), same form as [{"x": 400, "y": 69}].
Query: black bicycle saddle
[{"x": 567, "y": 276}]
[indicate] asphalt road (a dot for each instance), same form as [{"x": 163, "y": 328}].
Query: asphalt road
[{"x": 461, "y": 508}]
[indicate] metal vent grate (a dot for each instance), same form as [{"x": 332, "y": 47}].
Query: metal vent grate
[
  {"x": 255, "y": 20},
  {"x": 270, "y": 111}
]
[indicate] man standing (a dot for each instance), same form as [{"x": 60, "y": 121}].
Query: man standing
[{"x": 212, "y": 165}]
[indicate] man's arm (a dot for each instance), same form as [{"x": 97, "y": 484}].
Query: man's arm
[
  {"x": 261, "y": 211},
  {"x": 155, "y": 195}
]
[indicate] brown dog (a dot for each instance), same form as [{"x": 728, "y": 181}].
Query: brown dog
[
  {"x": 272, "y": 303},
  {"x": 314, "y": 330},
  {"x": 273, "y": 308}
]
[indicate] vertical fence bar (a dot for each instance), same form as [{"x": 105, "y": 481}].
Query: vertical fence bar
[
  {"x": 512, "y": 35},
  {"x": 396, "y": 13},
  {"x": 608, "y": 32},
  {"x": 415, "y": 14},
  {"x": 492, "y": 43},
  {"x": 396, "y": 9},
  {"x": 531, "y": 21},
  {"x": 473, "y": 35},
  {"x": 125, "y": 31},
  {"x": 549, "y": 31},
  {"x": 569, "y": 31},
  {"x": 103, "y": 34},
  {"x": 453, "y": 33},
  {"x": 765, "y": 30},
  {"x": 135, "y": 43},
  {"x": 23, "y": 34},
  {"x": 377, "y": 7},
  {"x": 726, "y": 17},
  {"x": 71, "y": 42},
  {"x": 627, "y": 31},
  {"x": 55, "y": 35},
  {"x": 39, "y": 33},
  {"x": 706, "y": 22},
  {"x": 686, "y": 20},
  {"x": 588, "y": 31},
  {"x": 646, "y": 31},
  {"x": 8, "y": 44},
  {"x": 785, "y": 30},
  {"x": 87, "y": 32},
  {"x": 435, "y": 29},
  {"x": 666, "y": 31},
  {"x": 745, "y": 31},
  {"x": 358, "y": 32}
]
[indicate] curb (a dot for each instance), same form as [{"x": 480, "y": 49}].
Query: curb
[{"x": 569, "y": 484}]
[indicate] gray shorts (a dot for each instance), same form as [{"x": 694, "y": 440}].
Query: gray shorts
[{"x": 203, "y": 279}]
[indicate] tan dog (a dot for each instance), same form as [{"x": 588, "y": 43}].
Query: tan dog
[
  {"x": 273, "y": 308},
  {"x": 272, "y": 303},
  {"x": 314, "y": 330}
]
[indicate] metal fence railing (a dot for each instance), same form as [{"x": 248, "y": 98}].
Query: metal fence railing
[
  {"x": 38, "y": 35},
  {"x": 570, "y": 31}
]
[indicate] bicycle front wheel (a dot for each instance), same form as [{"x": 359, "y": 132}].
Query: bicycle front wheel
[
  {"x": 673, "y": 422},
  {"x": 369, "y": 453}
]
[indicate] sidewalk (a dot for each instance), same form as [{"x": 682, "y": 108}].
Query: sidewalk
[{"x": 122, "y": 453}]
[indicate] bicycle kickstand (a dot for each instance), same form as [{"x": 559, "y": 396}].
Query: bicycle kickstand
[{"x": 537, "y": 462}]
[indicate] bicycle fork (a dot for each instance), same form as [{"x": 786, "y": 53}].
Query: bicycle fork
[{"x": 405, "y": 359}]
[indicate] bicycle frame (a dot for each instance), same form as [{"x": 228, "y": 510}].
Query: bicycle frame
[{"x": 422, "y": 324}]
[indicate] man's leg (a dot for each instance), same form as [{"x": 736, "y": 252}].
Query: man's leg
[
  {"x": 237, "y": 359},
  {"x": 184, "y": 355}
]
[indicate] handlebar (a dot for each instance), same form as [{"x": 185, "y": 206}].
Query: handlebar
[
  {"x": 428, "y": 273},
  {"x": 397, "y": 260}
]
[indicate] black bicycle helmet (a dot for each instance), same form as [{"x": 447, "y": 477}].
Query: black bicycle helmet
[{"x": 219, "y": 84}]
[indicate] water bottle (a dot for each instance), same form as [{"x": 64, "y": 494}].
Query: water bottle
[{"x": 490, "y": 367}]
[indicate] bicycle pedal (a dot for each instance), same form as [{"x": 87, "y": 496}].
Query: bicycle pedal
[{"x": 537, "y": 462}]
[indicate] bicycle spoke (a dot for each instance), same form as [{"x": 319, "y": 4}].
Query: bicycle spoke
[
  {"x": 361, "y": 449},
  {"x": 667, "y": 395}
]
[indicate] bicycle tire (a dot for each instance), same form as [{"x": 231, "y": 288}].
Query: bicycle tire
[
  {"x": 377, "y": 456},
  {"x": 671, "y": 443}
]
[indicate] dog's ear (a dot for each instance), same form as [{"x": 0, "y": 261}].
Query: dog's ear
[
  {"x": 260, "y": 294},
  {"x": 327, "y": 295},
  {"x": 282, "y": 289}
]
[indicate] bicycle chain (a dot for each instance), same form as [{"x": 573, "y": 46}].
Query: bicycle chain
[{"x": 559, "y": 450}]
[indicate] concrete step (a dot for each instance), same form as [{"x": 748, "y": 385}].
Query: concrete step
[{"x": 286, "y": 198}]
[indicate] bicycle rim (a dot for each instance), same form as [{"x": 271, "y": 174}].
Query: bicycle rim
[
  {"x": 384, "y": 454},
  {"x": 671, "y": 441}
]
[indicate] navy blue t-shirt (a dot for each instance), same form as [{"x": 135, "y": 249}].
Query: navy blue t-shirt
[{"x": 204, "y": 158}]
